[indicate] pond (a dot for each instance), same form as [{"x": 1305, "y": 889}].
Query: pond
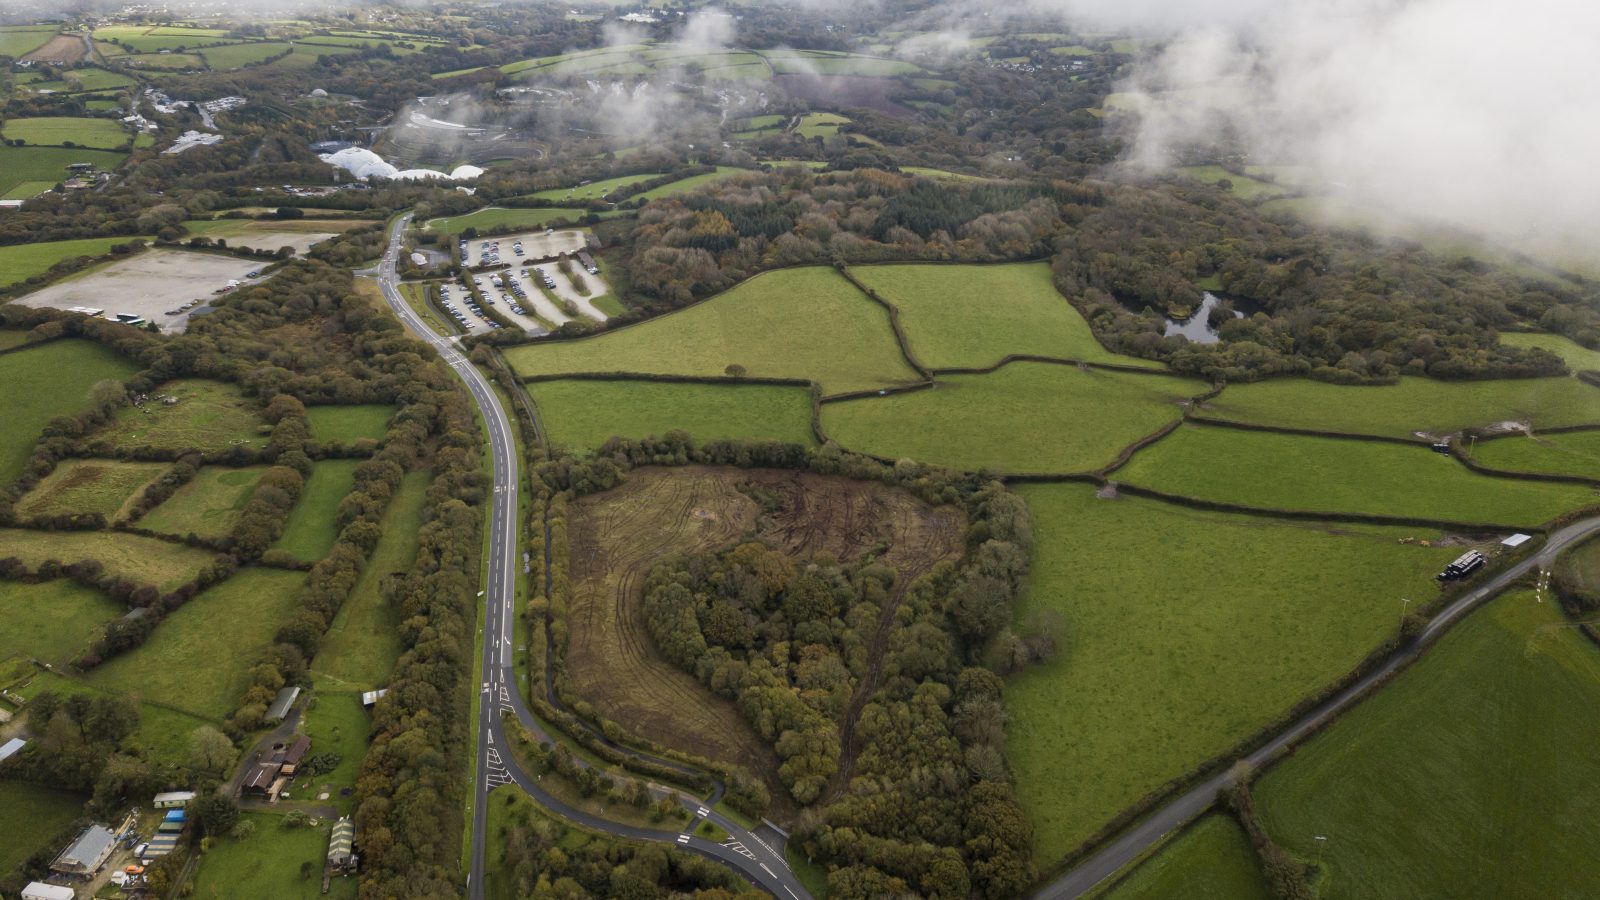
[{"x": 1197, "y": 327}]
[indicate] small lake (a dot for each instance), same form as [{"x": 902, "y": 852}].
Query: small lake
[{"x": 1197, "y": 327}]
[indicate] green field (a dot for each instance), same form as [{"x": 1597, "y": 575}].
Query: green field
[
  {"x": 198, "y": 658},
  {"x": 793, "y": 323},
  {"x": 34, "y": 816},
  {"x": 163, "y": 731},
  {"x": 336, "y": 723},
  {"x": 348, "y": 424},
  {"x": 1571, "y": 453},
  {"x": 1026, "y": 417},
  {"x": 829, "y": 62},
  {"x": 142, "y": 559},
  {"x": 11, "y": 337},
  {"x": 363, "y": 642},
  {"x": 26, "y": 260},
  {"x": 166, "y": 62},
  {"x": 1413, "y": 405},
  {"x": 581, "y": 415},
  {"x": 1242, "y": 186},
  {"x": 89, "y": 486},
  {"x": 143, "y": 39},
  {"x": 26, "y": 190},
  {"x": 311, "y": 528},
  {"x": 972, "y": 316},
  {"x": 1209, "y": 860},
  {"x": 1339, "y": 475},
  {"x": 684, "y": 185},
  {"x": 28, "y": 165},
  {"x": 1467, "y": 776},
  {"x": 208, "y": 505},
  {"x": 103, "y": 134},
  {"x": 594, "y": 190},
  {"x": 1577, "y": 357},
  {"x": 819, "y": 125},
  {"x": 268, "y": 864},
  {"x": 1183, "y": 632},
  {"x": 53, "y": 621},
  {"x": 209, "y": 416},
  {"x": 18, "y": 42},
  {"x": 498, "y": 217},
  {"x": 234, "y": 56},
  {"x": 77, "y": 81},
  {"x": 49, "y": 380}
]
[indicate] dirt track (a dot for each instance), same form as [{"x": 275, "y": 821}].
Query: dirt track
[{"x": 617, "y": 536}]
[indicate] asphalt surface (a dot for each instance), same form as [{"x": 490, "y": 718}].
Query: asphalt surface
[
  {"x": 743, "y": 851},
  {"x": 1184, "y": 808}
]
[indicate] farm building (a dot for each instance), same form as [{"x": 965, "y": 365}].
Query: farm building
[
  {"x": 295, "y": 754},
  {"x": 10, "y": 748},
  {"x": 269, "y": 776},
  {"x": 173, "y": 799},
  {"x": 341, "y": 847},
  {"x": 370, "y": 699},
  {"x": 587, "y": 261},
  {"x": 165, "y": 838},
  {"x": 282, "y": 703},
  {"x": 39, "y": 890},
  {"x": 84, "y": 856}
]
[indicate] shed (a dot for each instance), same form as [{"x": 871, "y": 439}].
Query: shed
[
  {"x": 10, "y": 748},
  {"x": 296, "y": 754},
  {"x": 260, "y": 779},
  {"x": 40, "y": 890},
  {"x": 173, "y": 799},
  {"x": 341, "y": 846},
  {"x": 370, "y": 698},
  {"x": 87, "y": 854},
  {"x": 174, "y": 815},
  {"x": 1516, "y": 540},
  {"x": 282, "y": 703}
]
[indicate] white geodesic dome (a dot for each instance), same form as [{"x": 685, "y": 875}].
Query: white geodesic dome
[{"x": 363, "y": 163}]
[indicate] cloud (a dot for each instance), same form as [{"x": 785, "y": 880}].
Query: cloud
[
  {"x": 708, "y": 29},
  {"x": 1464, "y": 111}
]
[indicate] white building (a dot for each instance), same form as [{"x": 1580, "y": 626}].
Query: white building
[
  {"x": 173, "y": 799},
  {"x": 39, "y": 890}
]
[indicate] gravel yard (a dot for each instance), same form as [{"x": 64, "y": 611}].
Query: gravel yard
[{"x": 150, "y": 284}]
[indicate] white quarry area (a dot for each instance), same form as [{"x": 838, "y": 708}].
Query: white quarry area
[{"x": 363, "y": 163}]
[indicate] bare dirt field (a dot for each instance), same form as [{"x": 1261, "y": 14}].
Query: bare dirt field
[
  {"x": 62, "y": 50},
  {"x": 536, "y": 245},
  {"x": 148, "y": 284},
  {"x": 617, "y": 536}
]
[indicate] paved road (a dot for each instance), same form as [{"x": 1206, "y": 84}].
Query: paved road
[
  {"x": 1186, "y": 807},
  {"x": 745, "y": 852}
]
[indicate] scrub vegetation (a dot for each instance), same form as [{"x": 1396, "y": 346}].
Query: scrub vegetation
[{"x": 208, "y": 416}]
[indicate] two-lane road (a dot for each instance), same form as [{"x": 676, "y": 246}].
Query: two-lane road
[
  {"x": 1182, "y": 809},
  {"x": 499, "y": 696}
]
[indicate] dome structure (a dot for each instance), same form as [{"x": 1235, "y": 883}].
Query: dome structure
[{"x": 363, "y": 163}]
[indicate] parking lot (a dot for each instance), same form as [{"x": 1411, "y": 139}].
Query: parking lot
[
  {"x": 536, "y": 245},
  {"x": 457, "y": 302},
  {"x": 162, "y": 286}
]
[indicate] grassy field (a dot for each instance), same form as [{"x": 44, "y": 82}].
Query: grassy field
[
  {"x": 363, "y": 642},
  {"x": 1572, "y": 453},
  {"x": 164, "y": 732},
  {"x": 971, "y": 316},
  {"x": 348, "y": 424},
  {"x": 1466, "y": 777},
  {"x": 49, "y": 380},
  {"x": 1211, "y": 859},
  {"x": 16, "y": 43},
  {"x": 684, "y": 185},
  {"x": 1578, "y": 357},
  {"x": 792, "y": 323},
  {"x": 336, "y": 723},
  {"x": 1026, "y": 417},
  {"x": 311, "y": 530},
  {"x": 208, "y": 505},
  {"x": 102, "y": 134},
  {"x": 142, "y": 559},
  {"x": 832, "y": 62},
  {"x": 198, "y": 657},
  {"x": 234, "y": 56},
  {"x": 27, "y": 165},
  {"x": 1242, "y": 186},
  {"x": 1338, "y": 475},
  {"x": 819, "y": 125},
  {"x": 24, "y": 261},
  {"x": 34, "y": 815},
  {"x": 583, "y": 414},
  {"x": 12, "y": 337},
  {"x": 1221, "y": 623},
  {"x": 53, "y": 621},
  {"x": 1415, "y": 404},
  {"x": 25, "y": 190},
  {"x": 268, "y": 865},
  {"x": 209, "y": 416},
  {"x": 499, "y": 217},
  {"x": 594, "y": 190},
  {"x": 89, "y": 486}
]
